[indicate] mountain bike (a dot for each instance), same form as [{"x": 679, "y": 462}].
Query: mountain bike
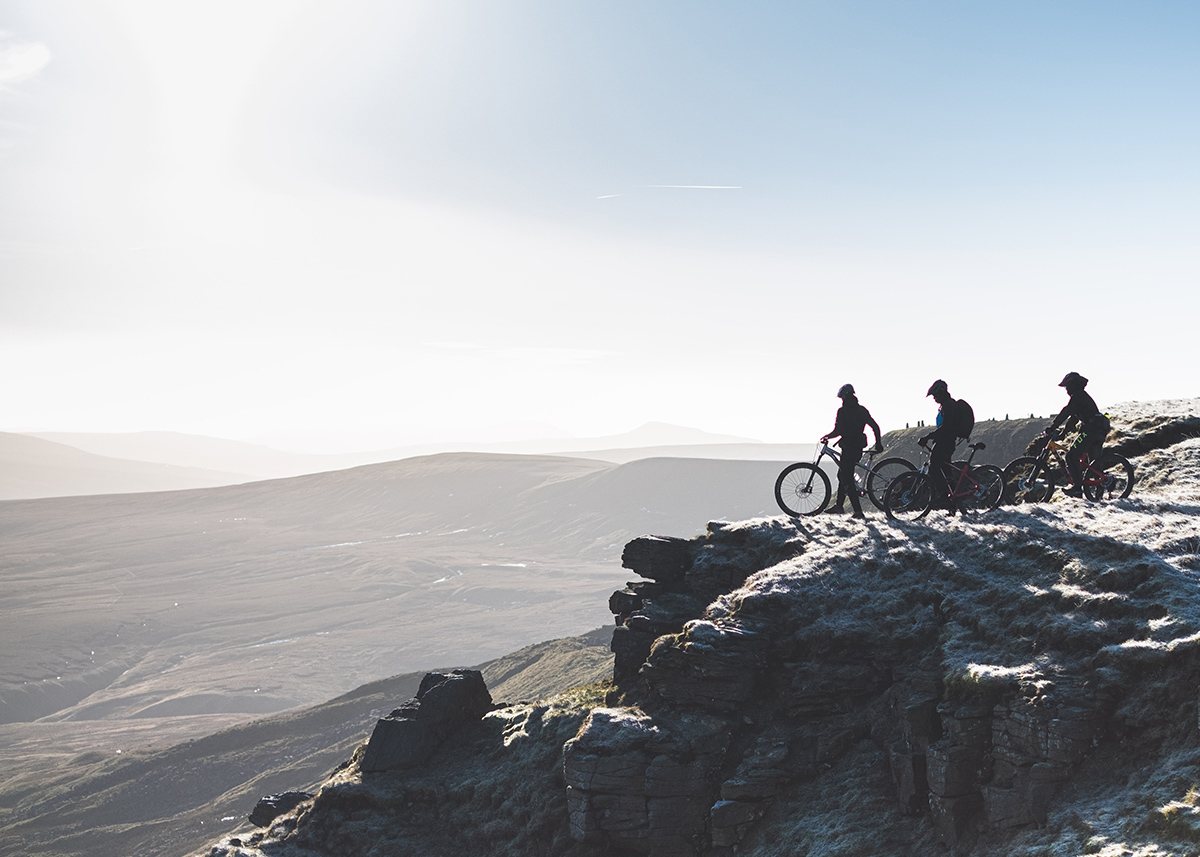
[
  {"x": 971, "y": 488},
  {"x": 805, "y": 488},
  {"x": 1033, "y": 478}
]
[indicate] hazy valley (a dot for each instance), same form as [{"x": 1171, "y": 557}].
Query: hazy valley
[{"x": 137, "y": 621}]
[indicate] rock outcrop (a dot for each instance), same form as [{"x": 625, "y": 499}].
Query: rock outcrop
[
  {"x": 1018, "y": 683},
  {"x": 410, "y": 734},
  {"x": 983, "y": 659},
  {"x": 637, "y": 785},
  {"x": 270, "y": 807}
]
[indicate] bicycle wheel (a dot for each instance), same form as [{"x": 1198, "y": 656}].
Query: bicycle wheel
[
  {"x": 1109, "y": 478},
  {"x": 881, "y": 477},
  {"x": 984, "y": 488},
  {"x": 802, "y": 489},
  {"x": 908, "y": 497},
  {"x": 1027, "y": 480}
]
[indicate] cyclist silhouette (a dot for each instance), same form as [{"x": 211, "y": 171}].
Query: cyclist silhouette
[
  {"x": 955, "y": 421},
  {"x": 850, "y": 426},
  {"x": 1093, "y": 428}
]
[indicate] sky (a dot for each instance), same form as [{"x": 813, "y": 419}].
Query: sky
[{"x": 441, "y": 218}]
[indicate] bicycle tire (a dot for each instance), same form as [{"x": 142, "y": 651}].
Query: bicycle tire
[
  {"x": 802, "y": 489},
  {"x": 988, "y": 488},
  {"x": 909, "y": 497},
  {"x": 881, "y": 477},
  {"x": 1117, "y": 481},
  {"x": 1027, "y": 480}
]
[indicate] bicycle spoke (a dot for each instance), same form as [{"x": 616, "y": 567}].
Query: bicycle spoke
[
  {"x": 882, "y": 475},
  {"x": 1027, "y": 480},
  {"x": 908, "y": 497},
  {"x": 1111, "y": 478},
  {"x": 802, "y": 489},
  {"x": 984, "y": 488}
]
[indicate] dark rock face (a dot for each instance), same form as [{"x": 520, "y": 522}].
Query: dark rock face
[
  {"x": 732, "y": 697},
  {"x": 686, "y": 575},
  {"x": 272, "y": 806},
  {"x": 692, "y": 776},
  {"x": 443, "y": 704},
  {"x": 639, "y": 786},
  {"x": 707, "y": 666}
]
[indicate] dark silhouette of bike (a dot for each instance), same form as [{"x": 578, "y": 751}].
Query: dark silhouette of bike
[
  {"x": 805, "y": 489},
  {"x": 972, "y": 488},
  {"x": 1033, "y": 478}
]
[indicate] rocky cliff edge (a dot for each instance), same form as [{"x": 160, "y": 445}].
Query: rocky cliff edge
[{"x": 1022, "y": 682}]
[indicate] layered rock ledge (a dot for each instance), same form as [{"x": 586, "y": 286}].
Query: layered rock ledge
[{"x": 1021, "y": 683}]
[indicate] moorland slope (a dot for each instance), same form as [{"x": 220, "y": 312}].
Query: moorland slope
[
  {"x": 149, "y": 802},
  {"x": 255, "y": 598}
]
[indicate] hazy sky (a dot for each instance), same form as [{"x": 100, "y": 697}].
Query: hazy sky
[{"x": 240, "y": 218}]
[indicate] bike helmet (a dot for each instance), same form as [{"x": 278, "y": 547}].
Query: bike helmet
[
  {"x": 938, "y": 386},
  {"x": 1073, "y": 381},
  {"x": 845, "y": 390}
]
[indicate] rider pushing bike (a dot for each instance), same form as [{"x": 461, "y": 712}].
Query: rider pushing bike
[
  {"x": 955, "y": 422},
  {"x": 850, "y": 426},
  {"x": 1093, "y": 428}
]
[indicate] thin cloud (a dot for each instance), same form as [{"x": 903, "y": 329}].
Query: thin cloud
[
  {"x": 683, "y": 186},
  {"x": 18, "y": 62}
]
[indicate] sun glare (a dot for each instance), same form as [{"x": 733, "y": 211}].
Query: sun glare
[{"x": 18, "y": 62}]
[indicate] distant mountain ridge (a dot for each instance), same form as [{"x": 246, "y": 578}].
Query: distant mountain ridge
[
  {"x": 192, "y": 461},
  {"x": 209, "y": 461},
  {"x": 33, "y": 467}
]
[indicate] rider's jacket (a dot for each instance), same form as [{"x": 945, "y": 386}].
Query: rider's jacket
[
  {"x": 851, "y": 422},
  {"x": 1081, "y": 406}
]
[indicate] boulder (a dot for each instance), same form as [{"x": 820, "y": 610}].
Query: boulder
[
  {"x": 662, "y": 558},
  {"x": 271, "y": 807},
  {"x": 444, "y": 704}
]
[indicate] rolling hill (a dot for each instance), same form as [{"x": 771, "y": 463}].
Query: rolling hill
[{"x": 32, "y": 467}]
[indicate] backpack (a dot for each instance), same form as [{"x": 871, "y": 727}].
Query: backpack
[
  {"x": 965, "y": 419},
  {"x": 1097, "y": 425}
]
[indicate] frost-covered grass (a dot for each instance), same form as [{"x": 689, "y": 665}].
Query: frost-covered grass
[
  {"x": 1020, "y": 592},
  {"x": 1071, "y": 592}
]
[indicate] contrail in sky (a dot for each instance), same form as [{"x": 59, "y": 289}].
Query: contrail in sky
[{"x": 687, "y": 186}]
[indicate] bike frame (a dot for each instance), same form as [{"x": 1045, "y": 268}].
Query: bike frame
[
  {"x": 1060, "y": 450},
  {"x": 964, "y": 473},
  {"x": 868, "y": 455}
]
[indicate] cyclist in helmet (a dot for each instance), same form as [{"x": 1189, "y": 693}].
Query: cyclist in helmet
[
  {"x": 850, "y": 426},
  {"x": 953, "y": 416},
  {"x": 1093, "y": 428}
]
